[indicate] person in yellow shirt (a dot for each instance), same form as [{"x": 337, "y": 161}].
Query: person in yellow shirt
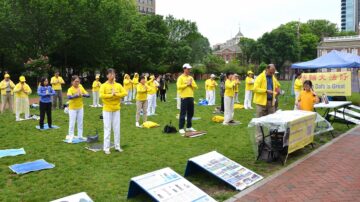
[
  {"x": 236, "y": 96},
  {"x": 95, "y": 89},
  {"x": 307, "y": 98},
  {"x": 229, "y": 98},
  {"x": 141, "y": 101},
  {"x": 22, "y": 92},
  {"x": 186, "y": 85},
  {"x": 7, "y": 87},
  {"x": 111, "y": 94},
  {"x": 298, "y": 87},
  {"x": 210, "y": 86},
  {"x": 151, "y": 96},
  {"x": 56, "y": 82},
  {"x": 135, "y": 82},
  {"x": 249, "y": 86},
  {"x": 128, "y": 87},
  {"x": 75, "y": 95}
]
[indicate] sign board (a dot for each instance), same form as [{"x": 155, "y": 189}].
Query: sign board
[
  {"x": 166, "y": 185},
  {"x": 330, "y": 83},
  {"x": 80, "y": 197},
  {"x": 223, "y": 168},
  {"x": 301, "y": 132}
]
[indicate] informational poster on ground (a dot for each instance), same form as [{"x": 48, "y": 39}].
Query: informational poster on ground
[
  {"x": 330, "y": 83},
  {"x": 301, "y": 132},
  {"x": 166, "y": 185},
  {"x": 223, "y": 168}
]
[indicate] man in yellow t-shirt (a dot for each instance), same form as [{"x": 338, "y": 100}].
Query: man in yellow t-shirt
[
  {"x": 186, "y": 85},
  {"x": 210, "y": 86},
  {"x": 230, "y": 85},
  {"x": 95, "y": 89},
  {"x": 307, "y": 98},
  {"x": 7, "y": 87},
  {"x": 249, "y": 87},
  {"x": 141, "y": 101},
  {"x": 111, "y": 93},
  {"x": 56, "y": 82},
  {"x": 22, "y": 92},
  {"x": 298, "y": 87}
]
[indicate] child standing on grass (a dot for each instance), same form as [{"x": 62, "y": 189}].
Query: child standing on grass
[
  {"x": 111, "y": 93},
  {"x": 141, "y": 101},
  {"x": 75, "y": 95},
  {"x": 22, "y": 92},
  {"x": 45, "y": 92},
  {"x": 307, "y": 97},
  {"x": 95, "y": 89}
]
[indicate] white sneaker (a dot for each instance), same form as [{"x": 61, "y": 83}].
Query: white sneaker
[
  {"x": 119, "y": 150},
  {"x": 251, "y": 108},
  {"x": 99, "y": 105},
  {"x": 107, "y": 152},
  {"x": 190, "y": 130},
  {"x": 225, "y": 124},
  {"x": 137, "y": 125},
  {"x": 182, "y": 131}
]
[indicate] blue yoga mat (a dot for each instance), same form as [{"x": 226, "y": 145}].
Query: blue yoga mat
[
  {"x": 31, "y": 166},
  {"x": 46, "y": 127},
  {"x": 11, "y": 152},
  {"x": 75, "y": 141}
]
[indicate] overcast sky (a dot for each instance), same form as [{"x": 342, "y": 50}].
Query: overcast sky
[{"x": 220, "y": 20}]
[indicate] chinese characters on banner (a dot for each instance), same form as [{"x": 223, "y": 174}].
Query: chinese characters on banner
[
  {"x": 301, "y": 132},
  {"x": 330, "y": 83}
]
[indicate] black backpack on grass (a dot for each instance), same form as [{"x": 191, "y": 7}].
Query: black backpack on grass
[{"x": 169, "y": 128}]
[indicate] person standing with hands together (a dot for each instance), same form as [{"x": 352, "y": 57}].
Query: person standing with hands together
[
  {"x": 111, "y": 94},
  {"x": 56, "y": 82},
  {"x": 22, "y": 92},
  {"x": 229, "y": 99},
  {"x": 186, "y": 86},
  {"x": 75, "y": 95},
  {"x": 45, "y": 92},
  {"x": 141, "y": 101},
  {"x": 95, "y": 89},
  {"x": 7, "y": 88}
]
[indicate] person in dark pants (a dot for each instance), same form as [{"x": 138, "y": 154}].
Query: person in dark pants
[
  {"x": 186, "y": 86},
  {"x": 163, "y": 88},
  {"x": 45, "y": 92}
]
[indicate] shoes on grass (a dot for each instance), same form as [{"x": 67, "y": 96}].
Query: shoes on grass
[
  {"x": 182, "y": 131},
  {"x": 107, "y": 152},
  {"x": 190, "y": 130}
]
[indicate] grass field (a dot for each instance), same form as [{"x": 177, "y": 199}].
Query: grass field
[{"x": 106, "y": 178}]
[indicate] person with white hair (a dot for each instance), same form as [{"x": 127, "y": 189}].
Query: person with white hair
[{"x": 210, "y": 85}]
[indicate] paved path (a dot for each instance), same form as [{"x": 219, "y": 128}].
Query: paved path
[{"x": 332, "y": 174}]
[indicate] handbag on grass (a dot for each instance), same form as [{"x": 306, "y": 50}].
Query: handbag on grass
[{"x": 169, "y": 128}]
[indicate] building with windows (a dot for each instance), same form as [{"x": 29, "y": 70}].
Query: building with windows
[
  {"x": 146, "y": 6},
  {"x": 350, "y": 15},
  {"x": 229, "y": 50}
]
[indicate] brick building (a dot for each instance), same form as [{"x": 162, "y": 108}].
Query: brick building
[
  {"x": 146, "y": 6},
  {"x": 229, "y": 50}
]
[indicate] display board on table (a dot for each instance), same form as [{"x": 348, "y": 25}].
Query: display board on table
[
  {"x": 166, "y": 185},
  {"x": 330, "y": 83},
  {"x": 223, "y": 168}
]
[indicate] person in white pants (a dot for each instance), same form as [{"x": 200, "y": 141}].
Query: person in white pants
[
  {"x": 151, "y": 97},
  {"x": 22, "y": 92},
  {"x": 135, "y": 82},
  {"x": 210, "y": 86},
  {"x": 111, "y": 93},
  {"x": 298, "y": 87},
  {"x": 229, "y": 99},
  {"x": 75, "y": 95},
  {"x": 95, "y": 89},
  {"x": 236, "y": 78},
  {"x": 128, "y": 88},
  {"x": 249, "y": 87}
]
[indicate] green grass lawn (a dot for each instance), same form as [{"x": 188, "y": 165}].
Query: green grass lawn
[{"x": 106, "y": 178}]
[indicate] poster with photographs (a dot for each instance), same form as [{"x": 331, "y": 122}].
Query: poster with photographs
[
  {"x": 166, "y": 185},
  {"x": 227, "y": 170}
]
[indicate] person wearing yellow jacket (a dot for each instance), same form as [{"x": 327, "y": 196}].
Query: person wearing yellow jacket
[
  {"x": 151, "y": 96},
  {"x": 249, "y": 87},
  {"x": 229, "y": 98},
  {"x": 128, "y": 88},
  {"x": 7, "y": 88},
  {"x": 135, "y": 82},
  {"x": 298, "y": 87},
  {"x": 75, "y": 95},
  {"x": 111, "y": 93},
  {"x": 236, "y": 96},
  {"x": 22, "y": 92},
  {"x": 210, "y": 86},
  {"x": 186, "y": 85},
  {"x": 95, "y": 90},
  {"x": 56, "y": 82},
  {"x": 141, "y": 101},
  {"x": 264, "y": 93}
]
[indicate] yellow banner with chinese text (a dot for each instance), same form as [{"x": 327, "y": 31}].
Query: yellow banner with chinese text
[
  {"x": 301, "y": 132},
  {"x": 330, "y": 83}
]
